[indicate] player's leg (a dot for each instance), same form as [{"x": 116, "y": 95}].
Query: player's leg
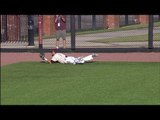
[
  {"x": 57, "y": 43},
  {"x": 63, "y": 34},
  {"x": 45, "y": 59},
  {"x": 70, "y": 60},
  {"x": 64, "y": 43},
  {"x": 90, "y": 57},
  {"x": 58, "y": 35},
  {"x": 79, "y": 60}
]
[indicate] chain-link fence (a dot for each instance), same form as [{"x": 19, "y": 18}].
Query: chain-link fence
[
  {"x": 129, "y": 34},
  {"x": 14, "y": 28},
  {"x": 86, "y": 22},
  {"x": 91, "y": 31},
  {"x": 156, "y": 33}
]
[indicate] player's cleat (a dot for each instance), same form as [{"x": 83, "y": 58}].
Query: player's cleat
[
  {"x": 42, "y": 57},
  {"x": 94, "y": 55}
]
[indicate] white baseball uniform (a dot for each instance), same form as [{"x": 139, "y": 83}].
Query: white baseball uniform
[
  {"x": 74, "y": 60},
  {"x": 59, "y": 57},
  {"x": 78, "y": 60}
]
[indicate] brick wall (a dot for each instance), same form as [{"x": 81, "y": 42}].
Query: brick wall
[
  {"x": 13, "y": 27},
  {"x": 143, "y": 19},
  {"x": 112, "y": 21},
  {"x": 48, "y": 25}
]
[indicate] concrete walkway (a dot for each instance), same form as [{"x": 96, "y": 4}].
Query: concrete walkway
[{"x": 82, "y": 40}]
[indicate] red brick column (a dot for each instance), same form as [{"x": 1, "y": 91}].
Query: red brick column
[
  {"x": 13, "y": 27},
  {"x": 17, "y": 27},
  {"x": 143, "y": 19},
  {"x": 112, "y": 21},
  {"x": 10, "y": 31},
  {"x": 48, "y": 25},
  {"x": 136, "y": 20},
  {"x": 105, "y": 21}
]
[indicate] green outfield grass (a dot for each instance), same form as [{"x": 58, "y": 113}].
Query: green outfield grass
[{"x": 97, "y": 83}]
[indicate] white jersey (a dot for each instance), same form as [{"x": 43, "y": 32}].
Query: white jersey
[{"x": 59, "y": 57}]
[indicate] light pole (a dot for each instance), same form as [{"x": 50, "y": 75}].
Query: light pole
[{"x": 73, "y": 32}]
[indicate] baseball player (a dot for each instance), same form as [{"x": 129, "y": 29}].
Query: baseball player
[{"x": 62, "y": 58}]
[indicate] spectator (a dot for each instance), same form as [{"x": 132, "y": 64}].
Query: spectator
[{"x": 60, "y": 27}]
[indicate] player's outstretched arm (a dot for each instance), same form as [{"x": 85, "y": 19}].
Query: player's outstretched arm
[{"x": 45, "y": 59}]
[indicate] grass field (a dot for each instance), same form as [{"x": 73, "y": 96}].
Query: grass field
[
  {"x": 136, "y": 38},
  {"x": 97, "y": 83},
  {"x": 102, "y": 30}
]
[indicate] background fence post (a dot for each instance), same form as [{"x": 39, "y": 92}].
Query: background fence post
[
  {"x": 3, "y": 28},
  {"x": 73, "y": 31},
  {"x": 126, "y": 19},
  {"x": 79, "y": 22},
  {"x": 150, "y": 32},
  {"x": 93, "y": 22},
  {"x": 30, "y": 30},
  {"x": 40, "y": 17}
]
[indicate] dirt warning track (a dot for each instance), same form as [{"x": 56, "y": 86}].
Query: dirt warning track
[{"x": 10, "y": 58}]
